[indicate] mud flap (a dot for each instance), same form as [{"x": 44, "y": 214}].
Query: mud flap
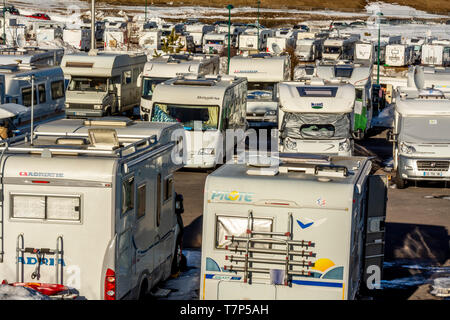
[{"x": 375, "y": 232}]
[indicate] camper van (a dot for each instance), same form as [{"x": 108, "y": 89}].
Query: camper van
[
  {"x": 423, "y": 77},
  {"x": 364, "y": 53},
  {"x": 263, "y": 73},
  {"x": 277, "y": 45},
  {"x": 31, "y": 56},
  {"x": 436, "y": 55},
  {"x": 89, "y": 208},
  {"x": 102, "y": 83},
  {"x": 309, "y": 228},
  {"x": 360, "y": 76},
  {"x": 47, "y": 96},
  {"x": 309, "y": 49},
  {"x": 166, "y": 67},
  {"x": 316, "y": 118},
  {"x": 78, "y": 38},
  {"x": 198, "y": 31},
  {"x": 399, "y": 55},
  {"x": 44, "y": 36},
  {"x": 150, "y": 39},
  {"x": 215, "y": 43},
  {"x": 421, "y": 136},
  {"x": 248, "y": 41},
  {"x": 115, "y": 36},
  {"x": 339, "y": 48},
  {"x": 206, "y": 107}
]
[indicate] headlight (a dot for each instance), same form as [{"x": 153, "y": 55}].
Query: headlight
[
  {"x": 98, "y": 107},
  {"x": 270, "y": 113},
  {"x": 344, "y": 146},
  {"x": 289, "y": 144},
  {"x": 206, "y": 151},
  {"x": 404, "y": 148}
]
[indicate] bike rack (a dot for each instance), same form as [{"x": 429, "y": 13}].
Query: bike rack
[{"x": 286, "y": 247}]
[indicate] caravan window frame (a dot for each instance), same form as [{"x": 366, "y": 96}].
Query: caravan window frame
[
  {"x": 55, "y": 95},
  {"x": 34, "y": 93}
]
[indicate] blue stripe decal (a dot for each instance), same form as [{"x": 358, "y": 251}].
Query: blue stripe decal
[
  {"x": 209, "y": 276},
  {"x": 317, "y": 283}
]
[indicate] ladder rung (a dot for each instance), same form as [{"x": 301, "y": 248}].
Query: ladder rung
[
  {"x": 271, "y": 251},
  {"x": 264, "y": 270},
  {"x": 302, "y": 263},
  {"x": 267, "y": 233},
  {"x": 302, "y": 243}
]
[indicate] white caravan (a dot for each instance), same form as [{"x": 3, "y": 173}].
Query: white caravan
[
  {"x": 90, "y": 206},
  {"x": 277, "y": 45},
  {"x": 47, "y": 97},
  {"x": 316, "y": 118},
  {"x": 364, "y": 53},
  {"x": 150, "y": 39},
  {"x": 207, "y": 107},
  {"x": 166, "y": 67},
  {"x": 78, "y": 38},
  {"x": 311, "y": 228},
  {"x": 46, "y": 35},
  {"x": 198, "y": 31},
  {"x": 215, "y": 43},
  {"x": 248, "y": 41},
  {"x": 309, "y": 49},
  {"x": 305, "y": 72},
  {"x": 421, "y": 136},
  {"x": 102, "y": 83},
  {"x": 435, "y": 55},
  {"x": 115, "y": 36},
  {"x": 399, "y": 55},
  {"x": 263, "y": 73},
  {"x": 31, "y": 56},
  {"x": 360, "y": 76},
  {"x": 339, "y": 48},
  {"x": 423, "y": 77}
]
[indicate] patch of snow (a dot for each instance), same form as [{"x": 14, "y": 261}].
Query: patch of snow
[
  {"x": 385, "y": 118},
  {"x": 8, "y": 292}
]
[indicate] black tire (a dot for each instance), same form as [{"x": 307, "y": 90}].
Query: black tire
[
  {"x": 401, "y": 183},
  {"x": 143, "y": 290}
]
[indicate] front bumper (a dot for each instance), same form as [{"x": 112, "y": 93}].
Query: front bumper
[{"x": 423, "y": 168}]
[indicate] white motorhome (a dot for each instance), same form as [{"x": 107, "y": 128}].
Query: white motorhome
[
  {"x": 115, "y": 36},
  {"x": 31, "y": 56},
  {"x": 339, "y": 48},
  {"x": 248, "y": 41},
  {"x": 47, "y": 96},
  {"x": 360, "y": 76},
  {"x": 78, "y": 38},
  {"x": 263, "y": 73},
  {"x": 421, "y": 136},
  {"x": 316, "y": 118},
  {"x": 215, "y": 43},
  {"x": 423, "y": 77},
  {"x": 435, "y": 55},
  {"x": 167, "y": 67},
  {"x": 309, "y": 49},
  {"x": 364, "y": 53},
  {"x": 150, "y": 39},
  {"x": 310, "y": 228},
  {"x": 207, "y": 107},
  {"x": 46, "y": 35},
  {"x": 198, "y": 31},
  {"x": 399, "y": 55},
  {"x": 94, "y": 199},
  {"x": 102, "y": 83},
  {"x": 277, "y": 45}
]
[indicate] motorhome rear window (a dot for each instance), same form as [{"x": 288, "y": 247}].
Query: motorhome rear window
[
  {"x": 343, "y": 72},
  {"x": 317, "y": 91},
  {"x": 227, "y": 226},
  {"x": 46, "y": 207}
]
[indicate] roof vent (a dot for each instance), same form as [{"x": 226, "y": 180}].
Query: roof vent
[
  {"x": 109, "y": 121},
  {"x": 431, "y": 94},
  {"x": 103, "y": 139}
]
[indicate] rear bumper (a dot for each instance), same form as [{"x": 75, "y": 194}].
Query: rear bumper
[{"x": 424, "y": 169}]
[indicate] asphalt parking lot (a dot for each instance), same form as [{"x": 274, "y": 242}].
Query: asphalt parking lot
[{"x": 417, "y": 224}]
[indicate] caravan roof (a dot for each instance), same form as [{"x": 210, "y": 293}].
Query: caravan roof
[
  {"x": 259, "y": 68},
  {"x": 31, "y": 56},
  {"x": 355, "y": 74},
  {"x": 324, "y": 98},
  {"x": 170, "y": 66},
  {"x": 429, "y": 77},
  {"x": 413, "y": 102},
  {"x": 102, "y": 64}
]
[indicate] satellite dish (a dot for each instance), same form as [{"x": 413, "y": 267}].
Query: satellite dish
[{"x": 276, "y": 48}]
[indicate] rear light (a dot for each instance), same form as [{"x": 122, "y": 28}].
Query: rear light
[
  {"x": 110, "y": 285},
  {"x": 80, "y": 43}
]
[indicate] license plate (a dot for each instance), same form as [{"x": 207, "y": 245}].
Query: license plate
[{"x": 432, "y": 174}]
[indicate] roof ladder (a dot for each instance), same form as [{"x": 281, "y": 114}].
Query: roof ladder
[{"x": 276, "y": 243}]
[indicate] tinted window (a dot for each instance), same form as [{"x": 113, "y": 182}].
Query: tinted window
[{"x": 57, "y": 88}]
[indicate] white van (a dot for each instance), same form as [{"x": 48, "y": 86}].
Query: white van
[
  {"x": 421, "y": 135},
  {"x": 263, "y": 73},
  {"x": 316, "y": 118},
  {"x": 206, "y": 107},
  {"x": 102, "y": 83},
  {"x": 360, "y": 76},
  {"x": 90, "y": 205},
  {"x": 47, "y": 97},
  {"x": 78, "y": 38},
  {"x": 166, "y": 67},
  {"x": 311, "y": 228},
  {"x": 399, "y": 55}
]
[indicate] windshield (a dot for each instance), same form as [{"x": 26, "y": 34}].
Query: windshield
[
  {"x": 88, "y": 84},
  {"x": 148, "y": 86},
  {"x": 208, "y": 116},
  {"x": 332, "y": 50},
  {"x": 260, "y": 91},
  {"x": 426, "y": 129},
  {"x": 316, "y": 126}
]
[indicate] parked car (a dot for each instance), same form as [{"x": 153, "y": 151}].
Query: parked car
[
  {"x": 41, "y": 16},
  {"x": 11, "y": 9}
]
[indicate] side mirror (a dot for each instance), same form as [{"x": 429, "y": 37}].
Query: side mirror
[
  {"x": 391, "y": 137},
  {"x": 179, "y": 208}
]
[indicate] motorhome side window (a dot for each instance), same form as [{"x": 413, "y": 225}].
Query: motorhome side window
[
  {"x": 43, "y": 207},
  {"x": 141, "y": 203},
  {"x": 127, "y": 194},
  {"x": 168, "y": 186},
  {"x": 158, "y": 200},
  {"x": 126, "y": 77},
  {"x": 237, "y": 226},
  {"x": 42, "y": 93},
  {"x": 57, "y": 88},
  {"x": 26, "y": 97}
]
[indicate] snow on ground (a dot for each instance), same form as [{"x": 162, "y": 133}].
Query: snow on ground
[
  {"x": 20, "y": 293},
  {"x": 385, "y": 118}
]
